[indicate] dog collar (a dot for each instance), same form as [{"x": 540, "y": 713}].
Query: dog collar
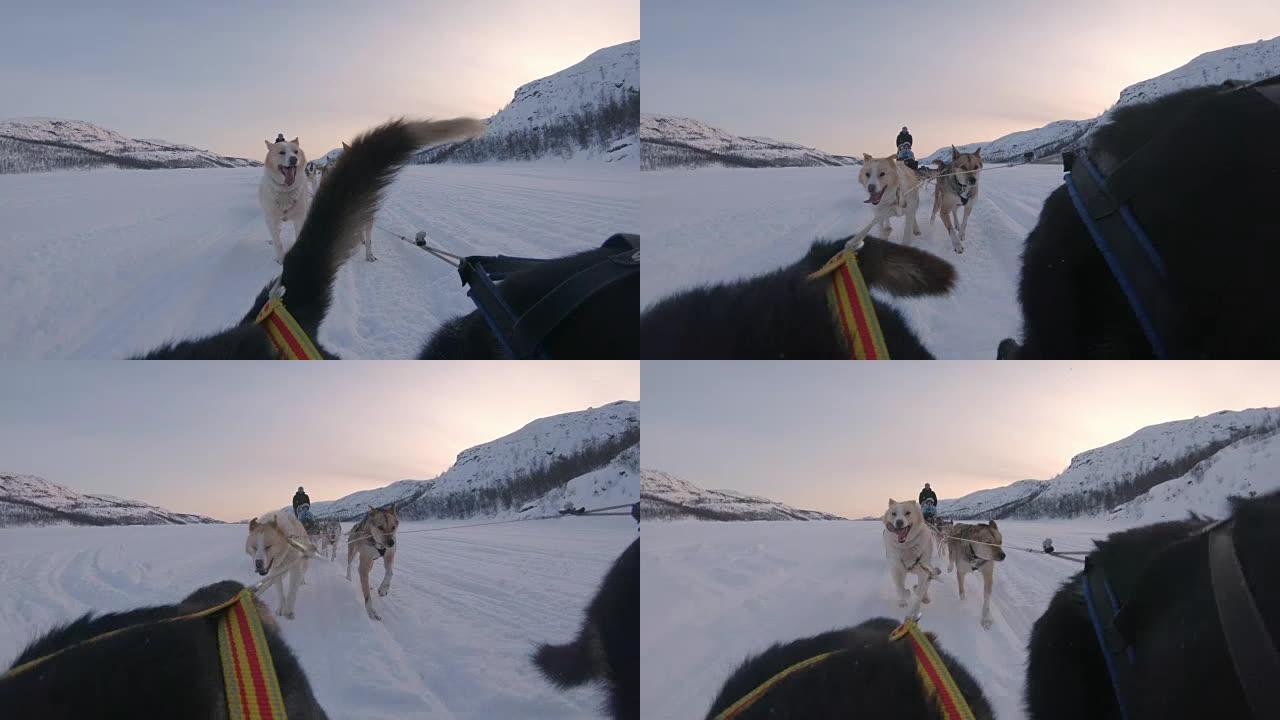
[{"x": 851, "y": 307}]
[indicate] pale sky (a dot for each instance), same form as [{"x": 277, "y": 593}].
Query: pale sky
[
  {"x": 231, "y": 440},
  {"x": 845, "y": 437},
  {"x": 227, "y": 75},
  {"x": 845, "y": 75}
]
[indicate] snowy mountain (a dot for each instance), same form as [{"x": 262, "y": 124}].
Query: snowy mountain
[
  {"x": 30, "y": 500},
  {"x": 590, "y": 109},
  {"x": 992, "y": 503},
  {"x": 40, "y": 144},
  {"x": 1240, "y": 64},
  {"x": 682, "y": 142},
  {"x": 1245, "y": 468},
  {"x": 667, "y": 497},
  {"x": 589, "y": 457},
  {"x": 1163, "y": 469}
]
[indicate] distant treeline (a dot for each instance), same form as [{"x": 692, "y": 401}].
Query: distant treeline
[
  {"x": 661, "y": 153},
  {"x": 593, "y": 128}
]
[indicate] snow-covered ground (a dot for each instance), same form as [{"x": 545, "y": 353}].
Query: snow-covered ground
[
  {"x": 466, "y": 607},
  {"x": 713, "y": 593},
  {"x": 109, "y": 263},
  {"x": 709, "y": 225}
]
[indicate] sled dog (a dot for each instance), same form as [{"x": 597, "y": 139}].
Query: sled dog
[
  {"x": 281, "y": 195},
  {"x": 268, "y": 544},
  {"x": 956, "y": 188},
  {"x": 372, "y": 538},
  {"x": 315, "y": 173},
  {"x": 908, "y": 545},
  {"x": 892, "y": 189},
  {"x": 979, "y": 556}
]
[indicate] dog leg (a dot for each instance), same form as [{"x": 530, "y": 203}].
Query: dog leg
[
  {"x": 948, "y": 220},
  {"x": 968, "y": 210},
  {"x": 274, "y": 227},
  {"x": 365, "y": 567},
  {"x": 387, "y": 562},
  {"x": 351, "y": 553},
  {"x": 291, "y": 596},
  {"x": 923, "y": 576},
  {"x": 960, "y": 573},
  {"x": 900, "y": 583},
  {"x": 368, "y": 245},
  {"x": 988, "y": 576}
]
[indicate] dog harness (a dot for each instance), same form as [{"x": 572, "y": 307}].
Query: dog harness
[
  {"x": 1254, "y": 656},
  {"x": 851, "y": 307},
  {"x": 249, "y": 675},
  {"x": 933, "y": 673},
  {"x": 961, "y": 191},
  {"x": 522, "y": 336}
]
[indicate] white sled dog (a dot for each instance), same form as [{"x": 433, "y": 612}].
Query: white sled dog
[
  {"x": 958, "y": 189},
  {"x": 365, "y": 230},
  {"x": 372, "y": 538},
  {"x": 979, "y": 556},
  {"x": 281, "y": 194},
  {"x": 908, "y": 545},
  {"x": 268, "y": 544},
  {"x": 315, "y": 173},
  {"x": 892, "y": 189}
]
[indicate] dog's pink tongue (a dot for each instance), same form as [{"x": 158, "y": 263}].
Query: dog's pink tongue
[{"x": 289, "y": 174}]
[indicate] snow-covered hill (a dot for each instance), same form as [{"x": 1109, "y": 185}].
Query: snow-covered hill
[
  {"x": 666, "y": 497},
  {"x": 589, "y": 457},
  {"x": 1241, "y": 64},
  {"x": 31, "y": 500},
  {"x": 1160, "y": 471},
  {"x": 1245, "y": 468},
  {"x": 991, "y": 503},
  {"x": 683, "y": 142},
  {"x": 39, "y": 144},
  {"x": 589, "y": 109}
]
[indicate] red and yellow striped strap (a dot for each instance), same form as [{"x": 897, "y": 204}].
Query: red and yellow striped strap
[
  {"x": 933, "y": 673},
  {"x": 851, "y": 308},
  {"x": 750, "y": 698},
  {"x": 285, "y": 333},
  {"x": 253, "y": 692}
]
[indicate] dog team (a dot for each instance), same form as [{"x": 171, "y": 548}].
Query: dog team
[{"x": 893, "y": 186}]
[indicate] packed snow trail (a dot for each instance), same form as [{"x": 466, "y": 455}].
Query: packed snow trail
[
  {"x": 466, "y": 607},
  {"x": 712, "y": 225},
  {"x": 713, "y": 593},
  {"x": 110, "y": 263}
]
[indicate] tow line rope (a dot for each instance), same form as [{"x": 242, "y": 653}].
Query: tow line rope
[
  {"x": 289, "y": 339},
  {"x": 596, "y": 511},
  {"x": 851, "y": 306},
  {"x": 1060, "y": 554},
  {"x": 933, "y": 673}
]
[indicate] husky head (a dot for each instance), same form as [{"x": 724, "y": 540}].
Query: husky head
[
  {"x": 283, "y": 160},
  {"x": 986, "y": 533},
  {"x": 311, "y": 170},
  {"x": 902, "y": 517},
  {"x": 267, "y": 544},
  {"x": 877, "y": 176},
  {"x": 381, "y": 524},
  {"x": 966, "y": 166}
]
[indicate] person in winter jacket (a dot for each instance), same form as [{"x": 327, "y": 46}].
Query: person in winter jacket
[
  {"x": 903, "y": 137},
  {"x": 300, "y": 498},
  {"x": 927, "y": 493}
]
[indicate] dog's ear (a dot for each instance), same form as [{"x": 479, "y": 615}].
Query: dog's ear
[
  {"x": 955, "y": 154},
  {"x": 253, "y": 524},
  {"x": 905, "y": 271},
  {"x": 372, "y": 508},
  {"x": 346, "y": 146},
  {"x": 269, "y": 144},
  {"x": 978, "y": 152},
  {"x": 892, "y": 502},
  {"x": 867, "y": 157},
  {"x": 992, "y": 524},
  {"x": 294, "y": 141}
]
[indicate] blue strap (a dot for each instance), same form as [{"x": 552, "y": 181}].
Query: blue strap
[
  {"x": 1117, "y": 268},
  {"x": 1103, "y": 645}
]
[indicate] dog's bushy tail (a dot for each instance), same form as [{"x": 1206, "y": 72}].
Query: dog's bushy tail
[
  {"x": 566, "y": 665},
  {"x": 347, "y": 200}
]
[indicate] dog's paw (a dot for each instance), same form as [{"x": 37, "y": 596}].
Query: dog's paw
[
  {"x": 383, "y": 590},
  {"x": 902, "y": 603},
  {"x": 373, "y": 614},
  {"x": 924, "y": 600},
  {"x": 370, "y": 258},
  {"x": 986, "y": 623}
]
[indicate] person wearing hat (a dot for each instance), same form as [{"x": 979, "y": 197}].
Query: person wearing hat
[
  {"x": 928, "y": 501},
  {"x": 904, "y": 137}
]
